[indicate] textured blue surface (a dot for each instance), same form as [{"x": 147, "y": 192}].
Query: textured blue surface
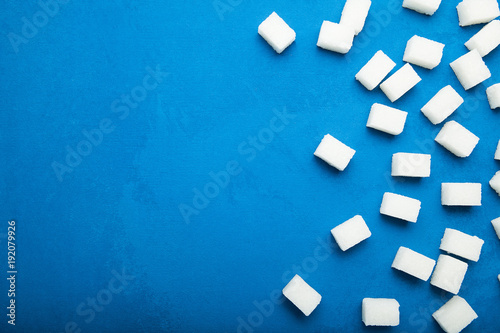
[{"x": 117, "y": 211}]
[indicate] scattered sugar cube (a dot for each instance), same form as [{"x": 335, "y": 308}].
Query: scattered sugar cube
[
  {"x": 400, "y": 207},
  {"x": 354, "y": 14},
  {"x": 486, "y": 40},
  {"x": 461, "y": 194},
  {"x": 449, "y": 273},
  {"x": 427, "y": 7},
  {"x": 495, "y": 182},
  {"x": 423, "y": 52},
  {"x": 400, "y": 82},
  {"x": 470, "y": 69},
  {"x": 411, "y": 165},
  {"x": 302, "y": 295},
  {"x": 457, "y": 139},
  {"x": 375, "y": 70},
  {"x": 380, "y": 312},
  {"x": 477, "y": 11},
  {"x": 276, "y": 32},
  {"x": 442, "y": 105},
  {"x": 351, "y": 232},
  {"x": 334, "y": 152},
  {"x": 386, "y": 119},
  {"x": 461, "y": 244},
  {"x": 493, "y": 94},
  {"x": 496, "y": 226},
  {"x": 497, "y": 153},
  {"x": 454, "y": 315},
  {"x": 413, "y": 263},
  {"x": 335, "y": 37}
]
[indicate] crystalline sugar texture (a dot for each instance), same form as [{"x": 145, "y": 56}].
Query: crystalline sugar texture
[
  {"x": 496, "y": 226},
  {"x": 449, "y": 274},
  {"x": 486, "y": 40},
  {"x": 493, "y": 94},
  {"x": 380, "y": 312},
  {"x": 461, "y": 194},
  {"x": 495, "y": 182},
  {"x": 411, "y": 165},
  {"x": 400, "y": 207},
  {"x": 335, "y": 37},
  {"x": 423, "y": 52},
  {"x": 355, "y": 13},
  {"x": 477, "y": 11},
  {"x": 442, "y": 105},
  {"x": 302, "y": 295},
  {"x": 276, "y": 32},
  {"x": 334, "y": 152},
  {"x": 454, "y": 315},
  {"x": 386, "y": 119},
  {"x": 413, "y": 263},
  {"x": 457, "y": 139},
  {"x": 400, "y": 82},
  {"x": 351, "y": 232},
  {"x": 470, "y": 69},
  {"x": 427, "y": 7},
  {"x": 375, "y": 70},
  {"x": 461, "y": 244}
]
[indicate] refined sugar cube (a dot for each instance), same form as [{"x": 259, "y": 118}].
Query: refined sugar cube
[
  {"x": 380, "y": 312},
  {"x": 470, "y": 69},
  {"x": 461, "y": 194},
  {"x": 413, "y": 263},
  {"x": 493, "y": 94},
  {"x": 411, "y": 165},
  {"x": 496, "y": 226},
  {"x": 355, "y": 13},
  {"x": 442, "y": 105},
  {"x": 457, "y": 139},
  {"x": 375, "y": 70},
  {"x": 495, "y": 182},
  {"x": 400, "y": 82},
  {"x": 400, "y": 207},
  {"x": 302, "y": 295},
  {"x": 334, "y": 152},
  {"x": 276, "y": 32},
  {"x": 423, "y": 52},
  {"x": 497, "y": 153},
  {"x": 427, "y": 7},
  {"x": 461, "y": 244},
  {"x": 486, "y": 40},
  {"x": 335, "y": 37},
  {"x": 477, "y": 11},
  {"x": 449, "y": 273},
  {"x": 454, "y": 315},
  {"x": 386, "y": 119},
  {"x": 351, "y": 232}
]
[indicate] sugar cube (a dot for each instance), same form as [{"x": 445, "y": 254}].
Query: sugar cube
[
  {"x": 496, "y": 226},
  {"x": 400, "y": 82},
  {"x": 449, "y": 273},
  {"x": 375, "y": 70},
  {"x": 477, "y": 11},
  {"x": 486, "y": 40},
  {"x": 334, "y": 152},
  {"x": 497, "y": 153},
  {"x": 461, "y": 194},
  {"x": 457, "y": 139},
  {"x": 411, "y": 165},
  {"x": 423, "y": 52},
  {"x": 335, "y": 37},
  {"x": 302, "y": 295},
  {"x": 470, "y": 69},
  {"x": 495, "y": 182},
  {"x": 493, "y": 94},
  {"x": 276, "y": 32},
  {"x": 386, "y": 119},
  {"x": 427, "y": 7},
  {"x": 461, "y": 244},
  {"x": 442, "y": 105},
  {"x": 354, "y": 14},
  {"x": 454, "y": 315},
  {"x": 351, "y": 232},
  {"x": 400, "y": 207},
  {"x": 413, "y": 263},
  {"x": 380, "y": 312}
]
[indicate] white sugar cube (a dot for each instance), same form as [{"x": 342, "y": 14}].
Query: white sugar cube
[
  {"x": 334, "y": 152},
  {"x": 497, "y": 153},
  {"x": 457, "y": 139},
  {"x": 427, "y": 7},
  {"x": 423, "y": 52},
  {"x": 496, "y": 226},
  {"x": 477, "y": 11},
  {"x": 495, "y": 182},
  {"x": 413, "y": 263},
  {"x": 375, "y": 70},
  {"x": 335, "y": 37},
  {"x": 380, "y": 312},
  {"x": 354, "y": 14},
  {"x": 400, "y": 207},
  {"x": 386, "y": 119},
  {"x": 411, "y": 165},
  {"x": 400, "y": 82},
  {"x": 461, "y": 244},
  {"x": 470, "y": 69},
  {"x": 454, "y": 315},
  {"x": 276, "y": 32},
  {"x": 351, "y": 232},
  {"x": 302, "y": 295},
  {"x": 486, "y": 40},
  {"x": 449, "y": 273},
  {"x": 442, "y": 105},
  {"x": 461, "y": 194},
  {"x": 493, "y": 94}
]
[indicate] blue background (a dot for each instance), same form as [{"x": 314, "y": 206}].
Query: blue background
[{"x": 118, "y": 210}]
